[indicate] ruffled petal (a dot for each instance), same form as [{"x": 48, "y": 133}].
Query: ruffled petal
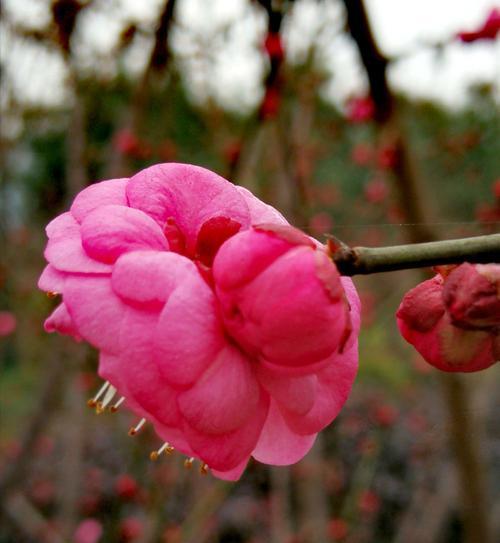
[
  {"x": 278, "y": 445},
  {"x": 189, "y": 194},
  {"x": 110, "y": 231},
  {"x": 333, "y": 387},
  {"x": 61, "y": 321},
  {"x": 189, "y": 334},
  {"x": 97, "y": 195},
  {"x": 244, "y": 256},
  {"x": 224, "y": 397},
  {"x": 51, "y": 280},
  {"x": 139, "y": 371},
  {"x": 296, "y": 394},
  {"x": 227, "y": 451},
  {"x": 232, "y": 474},
  {"x": 288, "y": 314},
  {"x": 149, "y": 277},
  {"x": 67, "y": 255},
  {"x": 63, "y": 226},
  {"x": 259, "y": 211},
  {"x": 96, "y": 310}
]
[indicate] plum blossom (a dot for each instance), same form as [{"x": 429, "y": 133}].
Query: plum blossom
[
  {"x": 453, "y": 319},
  {"x": 228, "y": 330}
]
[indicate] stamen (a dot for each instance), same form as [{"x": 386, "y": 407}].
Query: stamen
[
  {"x": 204, "y": 469},
  {"x": 188, "y": 463},
  {"x": 137, "y": 427},
  {"x": 114, "y": 408},
  {"x": 166, "y": 447},
  {"x": 52, "y": 294},
  {"x": 101, "y": 406},
  {"x": 93, "y": 401}
]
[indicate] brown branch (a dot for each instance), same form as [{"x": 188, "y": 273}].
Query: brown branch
[{"x": 367, "y": 260}]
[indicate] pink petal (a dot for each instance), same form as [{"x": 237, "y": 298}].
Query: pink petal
[
  {"x": 259, "y": 211},
  {"x": 96, "y": 310},
  {"x": 232, "y": 474},
  {"x": 296, "y": 394},
  {"x": 189, "y": 335},
  {"x": 224, "y": 397},
  {"x": 109, "y": 231},
  {"x": 97, "y": 195},
  {"x": 51, "y": 280},
  {"x": 354, "y": 310},
  {"x": 333, "y": 388},
  {"x": 61, "y": 321},
  {"x": 278, "y": 445},
  {"x": 67, "y": 255},
  {"x": 227, "y": 451},
  {"x": 253, "y": 251},
  {"x": 139, "y": 371},
  {"x": 63, "y": 226},
  {"x": 189, "y": 194},
  {"x": 149, "y": 277},
  {"x": 288, "y": 314}
]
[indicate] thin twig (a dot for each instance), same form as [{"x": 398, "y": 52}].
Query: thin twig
[{"x": 367, "y": 260}]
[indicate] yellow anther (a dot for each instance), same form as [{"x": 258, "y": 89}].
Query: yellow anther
[
  {"x": 188, "y": 463},
  {"x": 52, "y": 294},
  {"x": 204, "y": 469}
]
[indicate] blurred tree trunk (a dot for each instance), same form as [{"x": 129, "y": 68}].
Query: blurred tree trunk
[
  {"x": 465, "y": 447},
  {"x": 156, "y": 66}
]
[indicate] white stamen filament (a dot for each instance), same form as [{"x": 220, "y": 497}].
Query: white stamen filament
[
  {"x": 93, "y": 401},
  {"x": 115, "y": 407},
  {"x": 137, "y": 427}
]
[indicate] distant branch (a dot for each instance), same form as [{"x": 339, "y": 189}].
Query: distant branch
[{"x": 367, "y": 260}]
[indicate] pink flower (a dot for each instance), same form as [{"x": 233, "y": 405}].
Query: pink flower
[
  {"x": 8, "y": 323},
  {"x": 274, "y": 46},
  {"x": 216, "y": 321},
  {"x": 88, "y": 531},
  {"x": 453, "y": 322},
  {"x": 376, "y": 191},
  {"x": 487, "y": 31},
  {"x": 360, "y": 109}
]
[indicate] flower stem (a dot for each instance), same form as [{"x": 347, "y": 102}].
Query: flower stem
[{"x": 366, "y": 260}]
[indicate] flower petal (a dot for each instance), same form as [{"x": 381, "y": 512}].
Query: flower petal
[
  {"x": 224, "y": 397},
  {"x": 97, "y": 195},
  {"x": 67, "y": 255},
  {"x": 63, "y": 226},
  {"x": 296, "y": 394},
  {"x": 110, "y": 231},
  {"x": 333, "y": 388},
  {"x": 61, "y": 321},
  {"x": 96, "y": 310},
  {"x": 278, "y": 445},
  {"x": 287, "y": 313},
  {"x": 51, "y": 280},
  {"x": 226, "y": 452},
  {"x": 189, "y": 334},
  {"x": 189, "y": 194},
  {"x": 259, "y": 211},
  {"x": 232, "y": 474},
  {"x": 149, "y": 277}
]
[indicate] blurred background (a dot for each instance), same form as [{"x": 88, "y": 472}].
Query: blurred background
[{"x": 377, "y": 121}]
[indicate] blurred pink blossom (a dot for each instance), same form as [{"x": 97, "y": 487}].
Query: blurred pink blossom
[
  {"x": 88, "y": 531},
  {"x": 8, "y": 323}
]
